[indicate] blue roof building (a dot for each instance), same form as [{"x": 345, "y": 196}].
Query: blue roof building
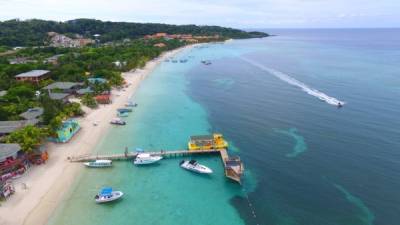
[
  {"x": 68, "y": 129},
  {"x": 97, "y": 80}
]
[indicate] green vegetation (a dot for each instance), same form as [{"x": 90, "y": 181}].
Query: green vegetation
[
  {"x": 34, "y": 32},
  {"x": 54, "y": 112},
  {"x": 29, "y": 137},
  {"x": 18, "y": 99},
  {"x": 4, "y": 49},
  {"x": 89, "y": 101}
]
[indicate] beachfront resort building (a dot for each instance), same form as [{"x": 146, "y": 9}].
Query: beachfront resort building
[
  {"x": 103, "y": 99},
  {"x": 32, "y": 113},
  {"x": 7, "y": 127},
  {"x": 63, "y": 97},
  {"x": 68, "y": 129},
  {"x": 63, "y": 87},
  {"x": 98, "y": 80},
  {"x": 33, "y": 76},
  {"x": 12, "y": 163}
]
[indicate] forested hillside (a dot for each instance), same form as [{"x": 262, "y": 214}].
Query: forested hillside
[{"x": 34, "y": 32}]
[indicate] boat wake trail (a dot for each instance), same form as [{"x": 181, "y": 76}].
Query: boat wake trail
[{"x": 290, "y": 80}]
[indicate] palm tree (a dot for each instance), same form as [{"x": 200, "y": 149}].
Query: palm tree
[{"x": 29, "y": 137}]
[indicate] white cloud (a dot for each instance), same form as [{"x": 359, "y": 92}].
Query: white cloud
[{"x": 251, "y": 13}]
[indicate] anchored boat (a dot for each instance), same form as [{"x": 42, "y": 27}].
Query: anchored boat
[
  {"x": 117, "y": 121},
  {"x": 123, "y": 114},
  {"x": 145, "y": 158},
  {"x": 123, "y": 110},
  {"x": 206, "y": 62},
  {"x": 194, "y": 166},
  {"x": 131, "y": 104},
  {"x": 108, "y": 195},
  {"x": 205, "y": 142},
  {"x": 99, "y": 163}
]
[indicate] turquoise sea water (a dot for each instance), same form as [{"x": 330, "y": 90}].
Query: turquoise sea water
[
  {"x": 307, "y": 162},
  {"x": 162, "y": 193}
]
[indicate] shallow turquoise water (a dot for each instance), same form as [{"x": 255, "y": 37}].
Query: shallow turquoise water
[{"x": 156, "y": 194}]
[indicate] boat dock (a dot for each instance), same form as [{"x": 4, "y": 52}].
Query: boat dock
[{"x": 233, "y": 165}]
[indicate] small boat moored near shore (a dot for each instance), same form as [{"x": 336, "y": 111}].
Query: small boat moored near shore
[
  {"x": 122, "y": 110},
  {"x": 117, "y": 121},
  {"x": 131, "y": 104},
  {"x": 194, "y": 166},
  {"x": 146, "y": 158},
  {"x": 99, "y": 163},
  {"x": 123, "y": 114},
  {"x": 107, "y": 195}
]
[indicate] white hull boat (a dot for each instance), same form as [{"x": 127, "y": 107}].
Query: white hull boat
[
  {"x": 194, "y": 166},
  {"x": 145, "y": 158},
  {"x": 118, "y": 121},
  {"x": 99, "y": 163},
  {"x": 131, "y": 104},
  {"x": 108, "y": 195}
]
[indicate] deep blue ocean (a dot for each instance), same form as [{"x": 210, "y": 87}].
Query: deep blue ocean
[{"x": 307, "y": 161}]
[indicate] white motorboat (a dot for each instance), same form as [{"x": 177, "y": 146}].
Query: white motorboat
[
  {"x": 131, "y": 104},
  {"x": 146, "y": 158},
  {"x": 99, "y": 163},
  {"x": 107, "y": 195},
  {"x": 194, "y": 166},
  {"x": 117, "y": 121}
]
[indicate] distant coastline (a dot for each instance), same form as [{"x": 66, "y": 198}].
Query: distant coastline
[{"x": 36, "y": 31}]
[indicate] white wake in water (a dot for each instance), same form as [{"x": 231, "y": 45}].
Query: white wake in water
[{"x": 290, "y": 80}]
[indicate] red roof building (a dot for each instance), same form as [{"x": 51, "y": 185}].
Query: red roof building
[{"x": 103, "y": 99}]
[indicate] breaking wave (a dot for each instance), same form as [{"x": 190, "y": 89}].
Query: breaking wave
[{"x": 290, "y": 80}]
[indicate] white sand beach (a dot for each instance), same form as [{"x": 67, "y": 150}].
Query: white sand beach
[{"x": 42, "y": 188}]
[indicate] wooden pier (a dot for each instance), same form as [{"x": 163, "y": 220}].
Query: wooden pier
[{"x": 233, "y": 166}]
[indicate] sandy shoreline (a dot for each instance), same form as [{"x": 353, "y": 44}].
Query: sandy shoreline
[{"x": 48, "y": 184}]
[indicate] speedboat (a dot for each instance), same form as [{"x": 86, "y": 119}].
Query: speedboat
[
  {"x": 206, "y": 62},
  {"x": 107, "y": 195},
  {"x": 117, "y": 121},
  {"x": 146, "y": 158},
  {"x": 194, "y": 166},
  {"x": 99, "y": 163}
]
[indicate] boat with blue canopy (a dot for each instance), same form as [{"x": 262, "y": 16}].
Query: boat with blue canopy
[{"x": 107, "y": 194}]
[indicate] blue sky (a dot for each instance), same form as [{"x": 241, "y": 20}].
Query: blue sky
[{"x": 234, "y": 13}]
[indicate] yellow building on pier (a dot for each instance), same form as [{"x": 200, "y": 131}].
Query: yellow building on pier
[{"x": 205, "y": 142}]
